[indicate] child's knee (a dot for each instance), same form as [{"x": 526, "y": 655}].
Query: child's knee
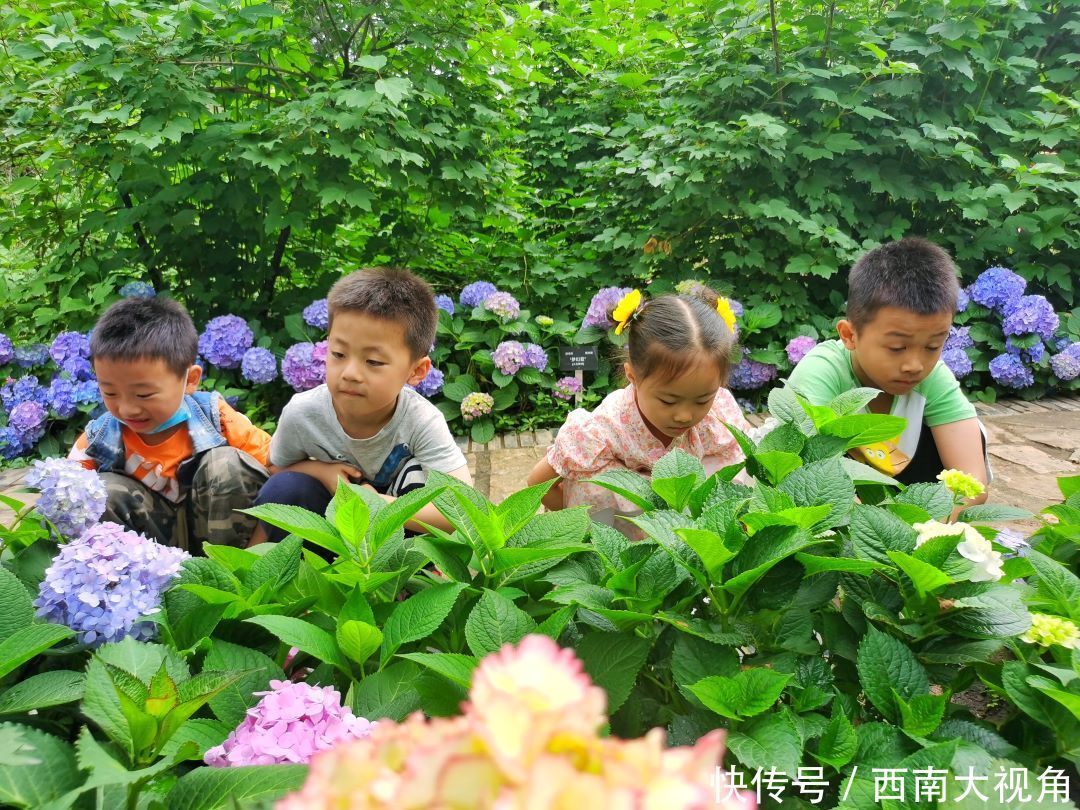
[
  {"x": 227, "y": 469},
  {"x": 294, "y": 489}
]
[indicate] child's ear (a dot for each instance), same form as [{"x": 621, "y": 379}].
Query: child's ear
[
  {"x": 846, "y": 330},
  {"x": 194, "y": 374},
  {"x": 628, "y": 372},
  {"x": 420, "y": 370}
]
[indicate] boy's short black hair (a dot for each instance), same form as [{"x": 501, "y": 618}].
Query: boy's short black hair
[
  {"x": 912, "y": 274},
  {"x": 394, "y": 294},
  {"x": 155, "y": 328}
]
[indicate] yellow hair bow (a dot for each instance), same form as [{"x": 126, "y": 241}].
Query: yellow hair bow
[
  {"x": 626, "y": 310},
  {"x": 726, "y": 313}
]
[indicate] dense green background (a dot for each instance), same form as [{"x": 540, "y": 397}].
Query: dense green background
[{"x": 243, "y": 154}]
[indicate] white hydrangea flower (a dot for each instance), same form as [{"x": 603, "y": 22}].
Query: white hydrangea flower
[{"x": 973, "y": 547}]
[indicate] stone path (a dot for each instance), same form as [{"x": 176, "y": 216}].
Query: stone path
[{"x": 1031, "y": 445}]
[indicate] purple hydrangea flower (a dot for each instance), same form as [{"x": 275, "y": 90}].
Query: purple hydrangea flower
[
  {"x": 1010, "y": 371},
  {"x": 474, "y": 294},
  {"x": 431, "y": 384},
  {"x": 750, "y": 375},
  {"x": 799, "y": 347},
  {"x": 1066, "y": 363},
  {"x": 509, "y": 357},
  {"x": 31, "y": 355},
  {"x": 7, "y": 350},
  {"x": 290, "y": 724},
  {"x": 445, "y": 303},
  {"x": 566, "y": 388},
  {"x": 746, "y": 405},
  {"x": 997, "y": 288},
  {"x": 736, "y": 307},
  {"x": 1031, "y": 314},
  {"x": 71, "y": 352},
  {"x": 536, "y": 357},
  {"x": 104, "y": 583},
  {"x": 476, "y": 405},
  {"x": 958, "y": 362},
  {"x": 317, "y": 314},
  {"x": 138, "y": 289},
  {"x": 28, "y": 418},
  {"x": 259, "y": 365},
  {"x": 25, "y": 389},
  {"x": 62, "y": 397},
  {"x": 302, "y": 368},
  {"x": 225, "y": 340},
  {"x": 962, "y": 300},
  {"x": 503, "y": 305},
  {"x": 959, "y": 338},
  {"x": 72, "y": 497},
  {"x": 1058, "y": 343},
  {"x": 599, "y": 313},
  {"x": 13, "y": 444},
  {"x": 1029, "y": 354}
]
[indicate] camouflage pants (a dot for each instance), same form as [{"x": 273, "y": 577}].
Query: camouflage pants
[{"x": 225, "y": 479}]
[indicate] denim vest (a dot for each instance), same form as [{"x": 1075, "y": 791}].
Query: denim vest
[{"x": 105, "y": 443}]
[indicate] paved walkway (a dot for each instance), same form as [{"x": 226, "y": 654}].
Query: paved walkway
[{"x": 1031, "y": 445}]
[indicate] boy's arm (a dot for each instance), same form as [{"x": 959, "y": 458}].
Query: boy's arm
[
  {"x": 960, "y": 446},
  {"x": 429, "y": 514},
  {"x": 78, "y": 453}
]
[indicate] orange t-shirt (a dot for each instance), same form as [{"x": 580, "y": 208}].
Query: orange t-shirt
[{"x": 156, "y": 465}]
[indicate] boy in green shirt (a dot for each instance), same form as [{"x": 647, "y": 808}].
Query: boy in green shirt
[{"x": 901, "y": 300}]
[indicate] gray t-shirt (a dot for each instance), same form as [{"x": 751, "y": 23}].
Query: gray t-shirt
[{"x": 395, "y": 460}]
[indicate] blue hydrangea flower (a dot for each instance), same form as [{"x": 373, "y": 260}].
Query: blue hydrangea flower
[
  {"x": 225, "y": 340},
  {"x": 87, "y": 392},
  {"x": 7, "y": 350},
  {"x": 431, "y": 384},
  {"x": 598, "y": 314},
  {"x": 104, "y": 583},
  {"x": 445, "y": 303},
  {"x": 962, "y": 300},
  {"x": 1058, "y": 343},
  {"x": 72, "y": 497},
  {"x": 997, "y": 288},
  {"x": 536, "y": 357},
  {"x": 750, "y": 375},
  {"x": 25, "y": 389},
  {"x": 1029, "y": 354},
  {"x": 138, "y": 289},
  {"x": 302, "y": 368},
  {"x": 62, "y": 397},
  {"x": 736, "y": 307},
  {"x": 958, "y": 362},
  {"x": 317, "y": 314},
  {"x": 1066, "y": 363},
  {"x": 71, "y": 352},
  {"x": 503, "y": 305},
  {"x": 959, "y": 338},
  {"x": 1010, "y": 371},
  {"x": 13, "y": 444},
  {"x": 31, "y": 355},
  {"x": 27, "y": 417},
  {"x": 1031, "y": 314},
  {"x": 509, "y": 357},
  {"x": 259, "y": 365},
  {"x": 474, "y": 294}
]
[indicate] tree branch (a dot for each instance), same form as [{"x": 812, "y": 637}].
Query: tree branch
[
  {"x": 144, "y": 245},
  {"x": 275, "y": 266}
]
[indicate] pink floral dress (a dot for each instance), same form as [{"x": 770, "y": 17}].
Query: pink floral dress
[{"x": 615, "y": 436}]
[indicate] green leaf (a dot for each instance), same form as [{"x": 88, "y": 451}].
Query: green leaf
[
  {"x": 231, "y": 704},
  {"x": 815, "y": 565},
  {"x": 351, "y": 516},
  {"x": 394, "y": 89},
  {"x": 628, "y": 484},
  {"x": 772, "y": 741},
  {"x": 613, "y": 661},
  {"x": 24, "y": 644},
  {"x": 982, "y": 609},
  {"x": 482, "y": 430},
  {"x": 358, "y": 640},
  {"x": 16, "y": 605},
  {"x": 864, "y": 428},
  {"x": 748, "y": 693},
  {"x": 838, "y": 743},
  {"x": 519, "y": 507},
  {"x": 777, "y": 464},
  {"x": 212, "y": 788},
  {"x": 875, "y": 532},
  {"x": 418, "y": 616},
  {"x": 922, "y": 715},
  {"x": 852, "y": 400},
  {"x": 992, "y": 513},
  {"x": 452, "y": 666},
  {"x": 189, "y": 617},
  {"x": 495, "y": 621},
  {"x": 42, "y": 691},
  {"x": 1057, "y": 587},
  {"x": 277, "y": 567},
  {"x": 925, "y": 577},
  {"x": 300, "y": 522},
  {"x": 297, "y": 633},
  {"x": 709, "y": 546},
  {"x": 935, "y": 499},
  {"x": 675, "y": 476},
  {"x": 397, "y": 513},
  {"x": 390, "y": 693},
  {"x": 865, "y": 474},
  {"x": 822, "y": 482},
  {"x": 47, "y": 769},
  {"x": 886, "y": 664}
]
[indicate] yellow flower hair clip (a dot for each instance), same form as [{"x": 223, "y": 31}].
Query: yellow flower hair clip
[
  {"x": 726, "y": 313},
  {"x": 627, "y": 308}
]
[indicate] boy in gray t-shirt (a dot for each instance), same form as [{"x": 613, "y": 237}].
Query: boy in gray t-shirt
[{"x": 364, "y": 424}]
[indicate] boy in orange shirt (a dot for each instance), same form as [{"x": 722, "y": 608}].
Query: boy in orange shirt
[{"x": 177, "y": 462}]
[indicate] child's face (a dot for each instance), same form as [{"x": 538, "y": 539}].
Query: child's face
[
  {"x": 674, "y": 406},
  {"x": 897, "y": 349},
  {"x": 367, "y": 365},
  {"x": 143, "y": 393}
]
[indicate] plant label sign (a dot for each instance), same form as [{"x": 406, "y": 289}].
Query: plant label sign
[{"x": 578, "y": 358}]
